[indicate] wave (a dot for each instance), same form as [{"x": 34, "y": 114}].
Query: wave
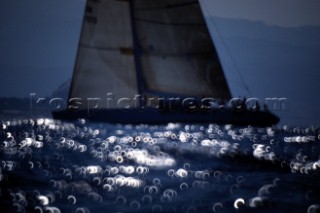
[{"x": 49, "y": 165}]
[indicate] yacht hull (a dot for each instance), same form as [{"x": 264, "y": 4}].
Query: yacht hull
[{"x": 156, "y": 116}]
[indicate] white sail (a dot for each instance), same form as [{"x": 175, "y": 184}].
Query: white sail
[
  {"x": 150, "y": 47},
  {"x": 178, "y": 56},
  {"x": 105, "y": 62}
]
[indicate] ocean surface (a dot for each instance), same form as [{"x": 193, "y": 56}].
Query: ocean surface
[{"x": 82, "y": 167}]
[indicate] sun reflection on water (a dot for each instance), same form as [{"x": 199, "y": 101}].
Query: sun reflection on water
[{"x": 50, "y": 166}]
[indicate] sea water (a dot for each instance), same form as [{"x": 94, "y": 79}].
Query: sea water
[{"x": 53, "y": 166}]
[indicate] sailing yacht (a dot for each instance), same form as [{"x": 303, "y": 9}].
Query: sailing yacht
[{"x": 142, "y": 61}]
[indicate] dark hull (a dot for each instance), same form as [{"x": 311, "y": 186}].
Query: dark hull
[{"x": 154, "y": 116}]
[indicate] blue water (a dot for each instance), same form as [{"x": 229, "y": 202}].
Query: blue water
[{"x": 52, "y": 166}]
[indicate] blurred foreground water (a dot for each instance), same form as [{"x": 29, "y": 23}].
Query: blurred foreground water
[{"x": 52, "y": 166}]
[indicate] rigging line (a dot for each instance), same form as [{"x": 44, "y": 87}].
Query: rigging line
[
  {"x": 188, "y": 55},
  {"x": 122, "y": 50},
  {"x": 167, "y": 23},
  {"x": 168, "y": 6},
  {"x": 182, "y": 4},
  {"x": 137, "y": 53},
  {"x": 228, "y": 52},
  {"x": 98, "y": 47}
]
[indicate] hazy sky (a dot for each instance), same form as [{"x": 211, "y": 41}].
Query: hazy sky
[
  {"x": 38, "y": 38},
  {"x": 291, "y": 13}
]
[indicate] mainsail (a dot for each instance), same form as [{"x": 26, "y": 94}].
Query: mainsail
[{"x": 147, "y": 47}]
